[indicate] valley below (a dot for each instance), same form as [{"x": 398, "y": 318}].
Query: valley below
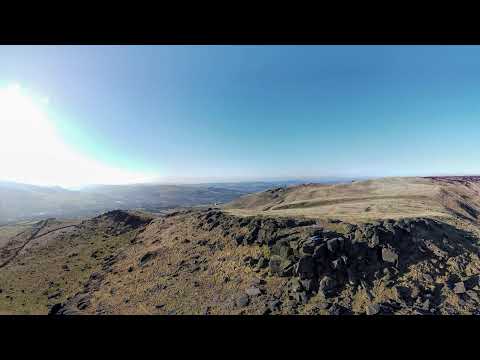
[{"x": 404, "y": 246}]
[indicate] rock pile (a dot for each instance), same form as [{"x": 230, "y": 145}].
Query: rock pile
[
  {"x": 117, "y": 222},
  {"x": 322, "y": 262}
]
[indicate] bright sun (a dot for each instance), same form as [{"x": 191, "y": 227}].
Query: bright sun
[
  {"x": 31, "y": 151},
  {"x": 22, "y": 122}
]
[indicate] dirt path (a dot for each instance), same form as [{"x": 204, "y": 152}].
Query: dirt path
[
  {"x": 53, "y": 230},
  {"x": 32, "y": 237},
  {"x": 41, "y": 225}
]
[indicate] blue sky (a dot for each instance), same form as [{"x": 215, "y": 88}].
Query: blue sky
[{"x": 260, "y": 111}]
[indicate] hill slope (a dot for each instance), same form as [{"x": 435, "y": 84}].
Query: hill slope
[
  {"x": 372, "y": 199},
  {"x": 214, "y": 261}
]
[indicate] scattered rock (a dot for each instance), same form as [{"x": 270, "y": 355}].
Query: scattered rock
[
  {"x": 372, "y": 309},
  {"x": 459, "y": 288},
  {"x": 54, "y": 295},
  {"x": 389, "y": 255},
  {"x": 55, "y": 309},
  {"x": 262, "y": 263},
  {"x": 147, "y": 257},
  {"x": 243, "y": 301},
  {"x": 239, "y": 239},
  {"x": 274, "y": 305},
  {"x": 473, "y": 295},
  {"x": 337, "y": 309},
  {"x": 253, "y": 291},
  {"x": 257, "y": 282},
  {"x": 327, "y": 285}
]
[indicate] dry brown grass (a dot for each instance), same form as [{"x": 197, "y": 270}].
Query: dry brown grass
[
  {"x": 38, "y": 270},
  {"x": 168, "y": 279},
  {"x": 363, "y": 201}
]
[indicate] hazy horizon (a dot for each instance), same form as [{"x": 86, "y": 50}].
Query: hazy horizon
[
  {"x": 74, "y": 116},
  {"x": 235, "y": 180},
  {"x": 202, "y": 181}
]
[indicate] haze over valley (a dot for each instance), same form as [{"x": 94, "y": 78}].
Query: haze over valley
[{"x": 29, "y": 202}]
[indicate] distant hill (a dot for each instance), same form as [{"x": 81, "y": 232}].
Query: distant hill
[
  {"x": 23, "y": 201},
  {"x": 372, "y": 199},
  {"x": 26, "y": 202}
]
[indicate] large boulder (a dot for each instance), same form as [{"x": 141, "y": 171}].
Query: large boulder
[
  {"x": 335, "y": 245},
  {"x": 309, "y": 246},
  {"x": 320, "y": 252},
  {"x": 472, "y": 282},
  {"x": 282, "y": 248},
  {"x": 305, "y": 268},
  {"x": 310, "y": 285},
  {"x": 251, "y": 235},
  {"x": 280, "y": 266}
]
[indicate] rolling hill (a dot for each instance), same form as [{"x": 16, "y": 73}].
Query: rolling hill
[
  {"x": 29, "y": 202},
  {"x": 371, "y": 199}
]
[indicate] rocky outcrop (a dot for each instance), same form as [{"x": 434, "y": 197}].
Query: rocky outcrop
[
  {"x": 407, "y": 266},
  {"x": 81, "y": 300},
  {"x": 321, "y": 262},
  {"x": 117, "y": 222}
]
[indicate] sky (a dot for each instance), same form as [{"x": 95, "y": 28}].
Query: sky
[{"x": 77, "y": 115}]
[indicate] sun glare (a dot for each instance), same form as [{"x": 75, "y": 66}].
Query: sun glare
[
  {"x": 21, "y": 119},
  {"x": 32, "y": 151}
]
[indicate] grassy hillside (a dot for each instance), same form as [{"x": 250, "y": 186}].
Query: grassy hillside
[
  {"x": 367, "y": 200},
  {"x": 56, "y": 261}
]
